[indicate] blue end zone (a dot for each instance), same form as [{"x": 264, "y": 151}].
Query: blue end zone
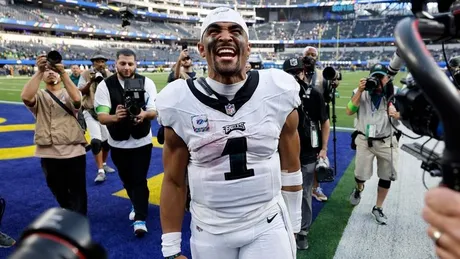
[{"x": 23, "y": 186}]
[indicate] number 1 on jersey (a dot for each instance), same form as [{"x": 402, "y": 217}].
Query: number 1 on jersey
[{"x": 236, "y": 148}]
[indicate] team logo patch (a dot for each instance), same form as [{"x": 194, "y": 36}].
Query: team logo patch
[
  {"x": 230, "y": 109},
  {"x": 293, "y": 62},
  {"x": 200, "y": 123},
  {"x": 238, "y": 126}
]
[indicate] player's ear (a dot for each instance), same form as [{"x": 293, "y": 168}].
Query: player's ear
[
  {"x": 201, "y": 49},
  {"x": 249, "y": 48}
]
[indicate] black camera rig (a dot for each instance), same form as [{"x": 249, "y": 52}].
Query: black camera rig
[{"x": 437, "y": 88}]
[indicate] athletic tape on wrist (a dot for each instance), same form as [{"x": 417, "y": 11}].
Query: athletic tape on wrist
[
  {"x": 352, "y": 106},
  {"x": 291, "y": 179},
  {"x": 170, "y": 244},
  {"x": 293, "y": 202}
]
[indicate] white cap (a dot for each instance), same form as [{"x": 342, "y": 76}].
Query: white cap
[
  {"x": 223, "y": 14},
  {"x": 307, "y": 48}
]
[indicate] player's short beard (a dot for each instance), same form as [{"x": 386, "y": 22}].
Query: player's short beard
[
  {"x": 126, "y": 77},
  {"x": 226, "y": 70}
]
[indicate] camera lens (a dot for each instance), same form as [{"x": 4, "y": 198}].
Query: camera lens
[
  {"x": 371, "y": 83},
  {"x": 54, "y": 57}
]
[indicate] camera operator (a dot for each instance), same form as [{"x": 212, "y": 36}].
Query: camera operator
[
  {"x": 374, "y": 136},
  {"x": 98, "y": 132},
  {"x": 444, "y": 220},
  {"x": 59, "y": 138},
  {"x": 130, "y": 136},
  {"x": 313, "y": 77},
  {"x": 183, "y": 68},
  {"x": 313, "y": 123}
]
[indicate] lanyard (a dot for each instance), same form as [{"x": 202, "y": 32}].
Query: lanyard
[{"x": 375, "y": 107}]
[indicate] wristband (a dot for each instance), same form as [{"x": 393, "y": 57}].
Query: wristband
[
  {"x": 170, "y": 245},
  {"x": 352, "y": 106},
  {"x": 291, "y": 179},
  {"x": 173, "y": 256}
]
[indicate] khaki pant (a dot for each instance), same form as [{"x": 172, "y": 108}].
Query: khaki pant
[{"x": 365, "y": 158}]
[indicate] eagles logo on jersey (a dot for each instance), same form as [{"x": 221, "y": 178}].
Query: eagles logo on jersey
[{"x": 234, "y": 170}]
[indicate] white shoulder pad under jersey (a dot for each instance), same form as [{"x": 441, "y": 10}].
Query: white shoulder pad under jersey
[{"x": 234, "y": 170}]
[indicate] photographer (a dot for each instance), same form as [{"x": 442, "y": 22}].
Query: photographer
[
  {"x": 313, "y": 77},
  {"x": 313, "y": 131},
  {"x": 130, "y": 136},
  {"x": 183, "y": 68},
  {"x": 374, "y": 136},
  {"x": 59, "y": 138},
  {"x": 98, "y": 132}
]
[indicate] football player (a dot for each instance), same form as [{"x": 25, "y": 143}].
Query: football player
[{"x": 235, "y": 133}]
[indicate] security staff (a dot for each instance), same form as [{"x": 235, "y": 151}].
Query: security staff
[
  {"x": 375, "y": 136},
  {"x": 313, "y": 131},
  {"x": 98, "y": 132},
  {"x": 130, "y": 137}
]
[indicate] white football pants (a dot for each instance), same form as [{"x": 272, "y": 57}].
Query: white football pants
[
  {"x": 266, "y": 239},
  {"x": 96, "y": 130}
]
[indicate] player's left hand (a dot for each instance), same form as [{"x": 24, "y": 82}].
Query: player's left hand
[
  {"x": 322, "y": 153},
  {"x": 140, "y": 118}
]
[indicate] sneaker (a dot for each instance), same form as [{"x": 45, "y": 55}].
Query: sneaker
[
  {"x": 380, "y": 218},
  {"x": 100, "y": 177},
  {"x": 108, "y": 169},
  {"x": 318, "y": 194},
  {"x": 6, "y": 241},
  {"x": 355, "y": 197},
  {"x": 301, "y": 240},
  {"x": 132, "y": 214},
  {"x": 139, "y": 228}
]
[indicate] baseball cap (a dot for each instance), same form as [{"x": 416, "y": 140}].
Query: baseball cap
[
  {"x": 223, "y": 14},
  {"x": 378, "y": 69},
  {"x": 454, "y": 62},
  {"x": 292, "y": 64}
]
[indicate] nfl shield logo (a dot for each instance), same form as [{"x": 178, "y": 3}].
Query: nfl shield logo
[
  {"x": 230, "y": 109},
  {"x": 293, "y": 62}
]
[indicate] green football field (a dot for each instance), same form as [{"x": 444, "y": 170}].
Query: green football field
[{"x": 10, "y": 90}]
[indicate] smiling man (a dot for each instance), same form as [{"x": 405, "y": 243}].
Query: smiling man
[{"x": 235, "y": 133}]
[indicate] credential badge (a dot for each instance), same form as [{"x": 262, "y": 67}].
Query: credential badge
[{"x": 200, "y": 123}]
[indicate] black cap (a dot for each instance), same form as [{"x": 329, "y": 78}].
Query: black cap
[
  {"x": 292, "y": 65},
  {"x": 454, "y": 62}
]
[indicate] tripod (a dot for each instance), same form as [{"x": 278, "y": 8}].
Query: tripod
[{"x": 334, "y": 137}]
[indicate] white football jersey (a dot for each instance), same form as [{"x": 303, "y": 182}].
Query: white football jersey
[{"x": 234, "y": 171}]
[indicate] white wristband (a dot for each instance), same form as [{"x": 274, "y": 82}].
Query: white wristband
[
  {"x": 291, "y": 179},
  {"x": 293, "y": 202},
  {"x": 170, "y": 244}
]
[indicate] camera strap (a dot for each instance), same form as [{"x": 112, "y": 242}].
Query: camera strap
[{"x": 67, "y": 109}]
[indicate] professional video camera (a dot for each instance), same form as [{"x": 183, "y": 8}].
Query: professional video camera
[
  {"x": 56, "y": 234},
  {"x": 134, "y": 96},
  {"x": 440, "y": 93}
]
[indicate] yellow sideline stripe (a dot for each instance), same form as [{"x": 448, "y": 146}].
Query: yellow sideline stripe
[
  {"x": 154, "y": 184},
  {"x": 29, "y": 151}
]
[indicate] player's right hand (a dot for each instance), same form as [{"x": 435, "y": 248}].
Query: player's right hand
[
  {"x": 41, "y": 63},
  {"x": 362, "y": 85},
  {"x": 120, "y": 113}
]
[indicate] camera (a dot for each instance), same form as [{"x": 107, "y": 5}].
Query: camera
[
  {"x": 53, "y": 58},
  {"x": 58, "y": 233},
  {"x": 329, "y": 73},
  {"x": 134, "y": 96},
  {"x": 98, "y": 76},
  {"x": 372, "y": 83},
  {"x": 416, "y": 112}
]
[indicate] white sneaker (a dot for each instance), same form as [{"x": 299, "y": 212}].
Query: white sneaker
[
  {"x": 108, "y": 169},
  {"x": 100, "y": 177},
  {"x": 139, "y": 228},
  {"x": 132, "y": 214}
]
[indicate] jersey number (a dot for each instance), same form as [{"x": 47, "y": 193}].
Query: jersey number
[{"x": 236, "y": 148}]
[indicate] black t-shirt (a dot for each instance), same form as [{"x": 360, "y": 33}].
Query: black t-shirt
[{"x": 311, "y": 109}]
